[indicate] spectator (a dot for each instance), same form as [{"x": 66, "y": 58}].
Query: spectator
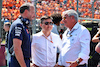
[
  {"x": 19, "y": 37},
  {"x": 44, "y": 45},
  {"x": 0, "y": 41},
  {"x": 76, "y": 42},
  {"x": 56, "y": 18},
  {"x": 6, "y": 27},
  {"x": 96, "y": 39}
]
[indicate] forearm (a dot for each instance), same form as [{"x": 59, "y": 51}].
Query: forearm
[
  {"x": 18, "y": 52},
  {"x": 97, "y": 48},
  {"x": 20, "y": 57},
  {"x": 75, "y": 63},
  {"x": 96, "y": 37}
]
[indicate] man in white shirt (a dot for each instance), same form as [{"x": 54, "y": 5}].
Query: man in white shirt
[
  {"x": 44, "y": 45},
  {"x": 76, "y": 42}
]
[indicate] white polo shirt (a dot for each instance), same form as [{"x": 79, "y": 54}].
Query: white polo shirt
[
  {"x": 43, "y": 51},
  {"x": 75, "y": 45}
]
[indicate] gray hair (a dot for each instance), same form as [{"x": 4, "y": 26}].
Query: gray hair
[{"x": 71, "y": 13}]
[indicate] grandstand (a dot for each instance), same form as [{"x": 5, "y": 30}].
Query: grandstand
[
  {"x": 85, "y": 8},
  {"x": 10, "y": 8}
]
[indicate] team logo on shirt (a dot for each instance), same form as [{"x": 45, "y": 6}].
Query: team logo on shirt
[
  {"x": 18, "y": 31},
  {"x": 54, "y": 47}
]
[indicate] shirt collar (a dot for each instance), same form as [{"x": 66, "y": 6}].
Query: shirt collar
[
  {"x": 75, "y": 26},
  {"x": 41, "y": 33}
]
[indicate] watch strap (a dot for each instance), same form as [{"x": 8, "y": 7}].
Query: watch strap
[{"x": 77, "y": 61}]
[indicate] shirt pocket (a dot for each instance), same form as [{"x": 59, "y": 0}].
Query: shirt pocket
[
  {"x": 73, "y": 40},
  {"x": 53, "y": 48}
]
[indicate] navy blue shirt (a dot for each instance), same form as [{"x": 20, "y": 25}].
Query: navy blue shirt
[{"x": 20, "y": 31}]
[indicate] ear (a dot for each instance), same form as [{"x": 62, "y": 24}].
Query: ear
[{"x": 73, "y": 18}]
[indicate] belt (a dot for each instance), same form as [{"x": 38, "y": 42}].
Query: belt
[
  {"x": 35, "y": 65},
  {"x": 81, "y": 65},
  {"x": 61, "y": 66},
  {"x": 77, "y": 66}
]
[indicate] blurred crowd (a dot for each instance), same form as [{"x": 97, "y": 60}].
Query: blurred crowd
[{"x": 10, "y": 8}]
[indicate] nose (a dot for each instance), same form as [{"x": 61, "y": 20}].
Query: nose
[{"x": 63, "y": 20}]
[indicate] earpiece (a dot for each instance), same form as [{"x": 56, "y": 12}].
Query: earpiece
[{"x": 25, "y": 20}]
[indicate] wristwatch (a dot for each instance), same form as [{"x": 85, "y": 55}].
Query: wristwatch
[{"x": 77, "y": 61}]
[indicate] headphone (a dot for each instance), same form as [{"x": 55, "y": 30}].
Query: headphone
[{"x": 25, "y": 20}]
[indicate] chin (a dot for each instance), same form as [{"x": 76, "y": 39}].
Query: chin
[
  {"x": 31, "y": 19},
  {"x": 48, "y": 30}
]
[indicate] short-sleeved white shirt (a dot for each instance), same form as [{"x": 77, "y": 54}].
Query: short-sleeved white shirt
[{"x": 43, "y": 51}]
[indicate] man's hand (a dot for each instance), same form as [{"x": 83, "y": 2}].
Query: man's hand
[
  {"x": 57, "y": 65},
  {"x": 33, "y": 65},
  {"x": 5, "y": 53},
  {"x": 72, "y": 64}
]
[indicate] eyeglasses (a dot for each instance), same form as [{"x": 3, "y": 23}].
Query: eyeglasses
[{"x": 48, "y": 23}]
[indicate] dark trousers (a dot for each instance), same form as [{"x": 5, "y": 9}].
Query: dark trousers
[
  {"x": 84, "y": 65},
  {"x": 14, "y": 63}
]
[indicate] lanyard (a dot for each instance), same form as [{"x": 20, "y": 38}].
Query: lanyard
[
  {"x": 69, "y": 34},
  {"x": 48, "y": 39}
]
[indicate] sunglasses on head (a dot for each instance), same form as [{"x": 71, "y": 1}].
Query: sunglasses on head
[{"x": 48, "y": 23}]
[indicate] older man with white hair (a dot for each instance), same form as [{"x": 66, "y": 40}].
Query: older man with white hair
[{"x": 76, "y": 42}]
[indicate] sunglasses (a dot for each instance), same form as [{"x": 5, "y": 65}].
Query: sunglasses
[
  {"x": 64, "y": 18},
  {"x": 48, "y": 23}
]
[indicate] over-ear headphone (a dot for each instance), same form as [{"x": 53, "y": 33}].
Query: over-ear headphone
[{"x": 25, "y": 21}]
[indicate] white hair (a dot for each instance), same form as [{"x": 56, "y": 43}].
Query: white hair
[{"x": 71, "y": 12}]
